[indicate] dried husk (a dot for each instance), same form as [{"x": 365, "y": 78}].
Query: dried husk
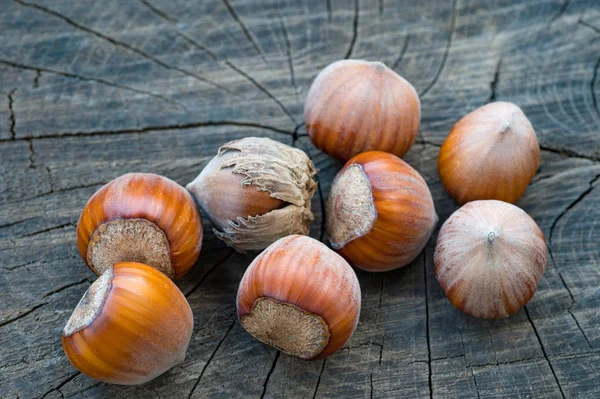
[{"x": 284, "y": 172}]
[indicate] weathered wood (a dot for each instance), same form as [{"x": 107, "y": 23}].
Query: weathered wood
[{"x": 90, "y": 90}]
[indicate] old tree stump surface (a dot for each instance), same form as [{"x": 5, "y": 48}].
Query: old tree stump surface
[{"x": 90, "y": 90}]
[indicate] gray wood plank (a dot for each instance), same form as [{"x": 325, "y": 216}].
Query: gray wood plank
[{"x": 89, "y": 91}]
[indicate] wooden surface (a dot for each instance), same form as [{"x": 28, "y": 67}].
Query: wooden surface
[{"x": 90, "y": 90}]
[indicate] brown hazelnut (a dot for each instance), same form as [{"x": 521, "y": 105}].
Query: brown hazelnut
[
  {"x": 132, "y": 325},
  {"x": 141, "y": 217},
  {"x": 300, "y": 297},
  {"x": 492, "y": 153},
  {"x": 355, "y": 106},
  {"x": 380, "y": 213}
]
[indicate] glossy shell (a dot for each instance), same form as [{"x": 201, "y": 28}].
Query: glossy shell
[
  {"x": 303, "y": 272},
  {"x": 355, "y": 106},
  {"x": 151, "y": 197},
  {"x": 489, "y": 258},
  {"x": 136, "y": 326},
  {"x": 401, "y": 220},
  {"x": 491, "y": 153}
]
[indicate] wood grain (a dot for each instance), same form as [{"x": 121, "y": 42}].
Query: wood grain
[{"x": 91, "y": 90}]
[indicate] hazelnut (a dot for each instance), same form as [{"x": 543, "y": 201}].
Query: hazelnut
[
  {"x": 489, "y": 258},
  {"x": 380, "y": 213},
  {"x": 355, "y": 106},
  {"x": 141, "y": 217},
  {"x": 300, "y": 297},
  {"x": 132, "y": 325},
  {"x": 255, "y": 191},
  {"x": 491, "y": 153}
]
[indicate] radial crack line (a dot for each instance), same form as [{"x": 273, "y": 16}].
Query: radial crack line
[
  {"x": 88, "y": 79},
  {"x": 123, "y": 45},
  {"x": 446, "y": 51},
  {"x": 244, "y": 29},
  {"x": 211, "y": 358},
  {"x": 263, "y": 89}
]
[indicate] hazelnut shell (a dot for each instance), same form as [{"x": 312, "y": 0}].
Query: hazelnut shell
[
  {"x": 355, "y": 106},
  {"x": 380, "y": 213},
  {"x": 141, "y": 217},
  {"x": 132, "y": 325},
  {"x": 489, "y": 258},
  {"x": 491, "y": 153},
  {"x": 301, "y": 297}
]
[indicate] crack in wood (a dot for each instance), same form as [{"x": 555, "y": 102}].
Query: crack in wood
[
  {"x": 288, "y": 47},
  {"x": 39, "y": 70},
  {"x": 487, "y": 327},
  {"x": 427, "y": 333},
  {"x": 354, "y": 31},
  {"x": 588, "y": 25},
  {"x": 158, "y": 12},
  {"x": 381, "y": 285},
  {"x": 579, "y": 327},
  {"x": 328, "y": 10},
  {"x": 539, "y": 339},
  {"x": 20, "y": 316},
  {"x": 295, "y": 134},
  {"x": 263, "y": 89},
  {"x": 11, "y": 114},
  {"x": 62, "y": 384},
  {"x": 208, "y": 273},
  {"x": 178, "y": 32},
  {"x": 448, "y": 357},
  {"x": 540, "y": 178},
  {"x": 11, "y": 268},
  {"x": 124, "y": 45},
  {"x": 475, "y": 382},
  {"x": 262, "y": 395},
  {"x": 424, "y": 142},
  {"x": 244, "y": 29},
  {"x": 362, "y": 345},
  {"x": 198, "y": 46},
  {"x": 319, "y": 379},
  {"x": 181, "y": 126},
  {"x": 446, "y": 51},
  {"x": 36, "y": 80},
  {"x": 31, "y": 157},
  {"x": 380, "y": 8},
  {"x": 569, "y": 153},
  {"x": 47, "y": 168},
  {"x": 211, "y": 357},
  {"x": 561, "y": 11},
  {"x": 64, "y": 287},
  {"x": 494, "y": 82},
  {"x": 593, "y": 85},
  {"x": 577, "y": 200},
  {"x": 61, "y": 226},
  {"x": 10, "y": 224},
  {"x": 517, "y": 361},
  {"x": 402, "y": 52},
  {"x": 462, "y": 340},
  {"x": 564, "y": 283},
  {"x": 62, "y": 190}
]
